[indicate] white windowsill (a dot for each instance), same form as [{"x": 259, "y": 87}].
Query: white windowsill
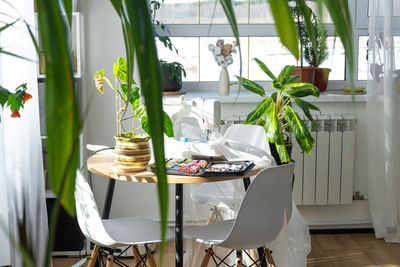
[{"x": 247, "y": 97}]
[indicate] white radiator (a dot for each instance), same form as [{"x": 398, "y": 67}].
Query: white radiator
[{"x": 325, "y": 177}]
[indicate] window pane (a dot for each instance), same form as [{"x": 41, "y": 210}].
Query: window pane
[
  {"x": 209, "y": 69},
  {"x": 240, "y": 7},
  {"x": 260, "y": 12},
  {"x": 270, "y": 51},
  {"x": 362, "y": 58},
  {"x": 275, "y": 56},
  {"x": 188, "y": 48},
  {"x": 179, "y": 12},
  {"x": 336, "y": 59}
]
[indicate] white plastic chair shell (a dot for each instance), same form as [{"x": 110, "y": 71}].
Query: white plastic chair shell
[
  {"x": 222, "y": 193},
  {"x": 112, "y": 232},
  {"x": 263, "y": 214}
]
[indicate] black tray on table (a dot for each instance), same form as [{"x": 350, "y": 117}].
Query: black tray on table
[{"x": 207, "y": 169}]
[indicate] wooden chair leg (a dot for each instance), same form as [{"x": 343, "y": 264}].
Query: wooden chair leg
[
  {"x": 211, "y": 217},
  {"x": 239, "y": 259},
  {"x": 207, "y": 257},
  {"x": 136, "y": 256},
  {"x": 110, "y": 260},
  {"x": 253, "y": 254},
  {"x": 93, "y": 256},
  {"x": 269, "y": 257},
  {"x": 150, "y": 257}
]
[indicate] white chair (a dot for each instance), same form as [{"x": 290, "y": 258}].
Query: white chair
[
  {"x": 263, "y": 215},
  {"x": 112, "y": 233},
  {"x": 243, "y": 137}
]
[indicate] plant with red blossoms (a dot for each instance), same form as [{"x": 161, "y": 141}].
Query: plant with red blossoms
[{"x": 15, "y": 100}]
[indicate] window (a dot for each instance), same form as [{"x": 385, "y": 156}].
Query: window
[{"x": 189, "y": 24}]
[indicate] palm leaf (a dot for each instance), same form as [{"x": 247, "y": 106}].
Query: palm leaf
[
  {"x": 285, "y": 26},
  {"x": 303, "y": 136},
  {"x": 305, "y": 86},
  {"x": 340, "y": 14},
  {"x": 265, "y": 69},
  {"x": 272, "y": 124},
  {"x": 139, "y": 36},
  {"x": 305, "y": 10},
  {"x": 285, "y": 74},
  {"x": 251, "y": 86},
  {"x": 281, "y": 148},
  {"x": 67, "y": 7},
  {"x": 62, "y": 118},
  {"x": 230, "y": 15},
  {"x": 260, "y": 110}
]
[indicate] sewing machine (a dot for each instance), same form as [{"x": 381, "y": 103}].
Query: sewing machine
[{"x": 193, "y": 118}]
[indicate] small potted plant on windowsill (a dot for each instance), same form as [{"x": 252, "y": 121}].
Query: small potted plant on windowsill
[
  {"x": 306, "y": 73},
  {"x": 132, "y": 152},
  {"x": 316, "y": 57},
  {"x": 172, "y": 75},
  {"x": 275, "y": 112}
]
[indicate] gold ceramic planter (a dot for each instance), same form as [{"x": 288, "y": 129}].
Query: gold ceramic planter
[{"x": 132, "y": 153}]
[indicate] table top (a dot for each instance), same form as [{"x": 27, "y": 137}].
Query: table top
[{"x": 102, "y": 164}]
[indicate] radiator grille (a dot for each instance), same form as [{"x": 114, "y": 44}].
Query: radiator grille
[{"x": 325, "y": 177}]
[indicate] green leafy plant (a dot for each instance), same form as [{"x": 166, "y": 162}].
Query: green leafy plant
[
  {"x": 275, "y": 112},
  {"x": 62, "y": 117},
  {"x": 316, "y": 58},
  {"x": 312, "y": 34},
  {"x": 129, "y": 96},
  {"x": 176, "y": 70},
  {"x": 15, "y": 100}
]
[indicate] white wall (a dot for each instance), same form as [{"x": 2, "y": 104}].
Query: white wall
[{"x": 103, "y": 44}]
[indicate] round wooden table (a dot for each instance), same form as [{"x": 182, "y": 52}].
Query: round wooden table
[{"x": 102, "y": 164}]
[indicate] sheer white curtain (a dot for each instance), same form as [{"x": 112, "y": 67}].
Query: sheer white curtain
[
  {"x": 22, "y": 193},
  {"x": 384, "y": 120}
]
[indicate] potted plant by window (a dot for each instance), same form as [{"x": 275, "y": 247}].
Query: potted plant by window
[
  {"x": 315, "y": 57},
  {"x": 276, "y": 114},
  {"x": 172, "y": 75},
  {"x": 132, "y": 152},
  {"x": 171, "y": 71},
  {"x": 306, "y": 73}
]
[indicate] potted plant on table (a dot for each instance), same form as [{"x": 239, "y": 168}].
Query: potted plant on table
[
  {"x": 172, "y": 75},
  {"x": 276, "y": 114},
  {"x": 132, "y": 152}
]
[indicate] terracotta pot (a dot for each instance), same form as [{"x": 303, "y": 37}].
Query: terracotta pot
[
  {"x": 307, "y": 74},
  {"x": 321, "y": 78},
  {"x": 131, "y": 153}
]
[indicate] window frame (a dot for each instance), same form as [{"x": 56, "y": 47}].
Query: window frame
[{"x": 357, "y": 11}]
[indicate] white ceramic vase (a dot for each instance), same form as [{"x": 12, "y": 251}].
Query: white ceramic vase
[{"x": 224, "y": 82}]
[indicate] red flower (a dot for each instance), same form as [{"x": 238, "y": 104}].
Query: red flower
[
  {"x": 27, "y": 97},
  {"x": 15, "y": 114}
]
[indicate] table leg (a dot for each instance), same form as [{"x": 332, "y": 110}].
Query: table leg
[
  {"x": 107, "y": 208},
  {"x": 108, "y": 199},
  {"x": 178, "y": 225},
  {"x": 263, "y": 263}
]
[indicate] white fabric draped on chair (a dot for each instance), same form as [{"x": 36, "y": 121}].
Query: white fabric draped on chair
[
  {"x": 22, "y": 193},
  {"x": 383, "y": 108}
]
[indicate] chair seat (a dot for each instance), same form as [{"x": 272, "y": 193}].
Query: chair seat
[
  {"x": 212, "y": 234},
  {"x": 129, "y": 231}
]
